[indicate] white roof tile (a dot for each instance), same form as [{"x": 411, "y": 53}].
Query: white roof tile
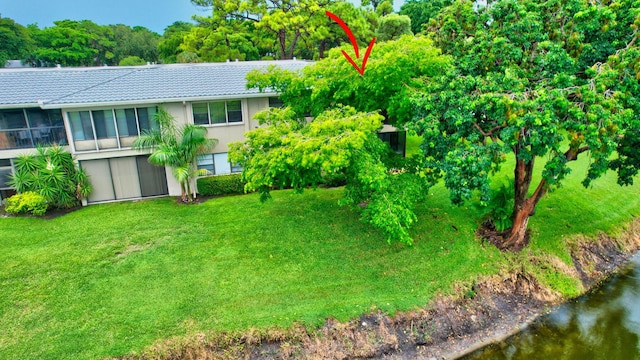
[{"x": 60, "y": 87}]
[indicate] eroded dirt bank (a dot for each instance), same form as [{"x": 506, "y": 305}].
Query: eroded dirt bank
[{"x": 450, "y": 327}]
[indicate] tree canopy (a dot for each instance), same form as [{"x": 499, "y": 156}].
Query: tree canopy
[
  {"x": 292, "y": 28},
  {"x": 341, "y": 141},
  {"x": 76, "y": 43},
  {"x": 15, "y": 41},
  {"x": 551, "y": 80},
  {"x": 420, "y": 11},
  {"x": 392, "y": 26},
  {"x": 393, "y": 74},
  {"x": 240, "y": 29},
  {"x": 543, "y": 81}
]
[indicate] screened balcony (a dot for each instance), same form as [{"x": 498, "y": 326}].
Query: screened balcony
[{"x": 28, "y": 128}]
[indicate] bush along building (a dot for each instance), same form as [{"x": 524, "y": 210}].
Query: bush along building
[{"x": 98, "y": 112}]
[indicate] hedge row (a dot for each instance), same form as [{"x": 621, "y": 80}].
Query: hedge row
[{"x": 221, "y": 185}]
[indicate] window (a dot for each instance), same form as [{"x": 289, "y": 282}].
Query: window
[
  {"x": 217, "y": 113},
  {"x": 275, "y": 102},
  {"x": 127, "y": 122},
  {"x": 205, "y": 162},
  {"x": 220, "y": 112},
  {"x": 217, "y": 164},
  {"x": 103, "y": 121},
  {"x": 5, "y": 172},
  {"x": 200, "y": 114},
  {"x": 234, "y": 111},
  {"x": 110, "y": 128},
  {"x": 236, "y": 168},
  {"x": 12, "y": 119},
  {"x": 81, "y": 125},
  {"x": 27, "y": 128},
  {"x": 145, "y": 118},
  {"x": 397, "y": 140}
]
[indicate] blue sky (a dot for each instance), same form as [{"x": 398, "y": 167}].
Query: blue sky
[{"x": 154, "y": 15}]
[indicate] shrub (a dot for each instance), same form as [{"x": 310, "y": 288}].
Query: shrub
[
  {"x": 501, "y": 206},
  {"x": 132, "y": 61},
  {"x": 221, "y": 185},
  {"x": 52, "y": 173},
  {"x": 27, "y": 203}
]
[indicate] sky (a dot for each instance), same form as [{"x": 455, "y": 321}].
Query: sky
[{"x": 154, "y": 15}]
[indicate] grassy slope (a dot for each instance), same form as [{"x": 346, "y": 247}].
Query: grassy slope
[{"x": 111, "y": 279}]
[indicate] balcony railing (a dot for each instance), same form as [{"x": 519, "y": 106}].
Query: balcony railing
[{"x": 30, "y": 138}]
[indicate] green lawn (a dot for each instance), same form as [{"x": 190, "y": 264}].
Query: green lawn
[{"x": 115, "y": 278}]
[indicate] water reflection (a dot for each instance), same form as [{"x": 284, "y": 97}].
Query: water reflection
[{"x": 604, "y": 324}]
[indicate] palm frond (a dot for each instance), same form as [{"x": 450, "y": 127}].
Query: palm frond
[
  {"x": 25, "y": 163},
  {"x": 201, "y": 172}
]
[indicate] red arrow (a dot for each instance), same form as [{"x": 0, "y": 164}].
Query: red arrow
[{"x": 353, "y": 43}]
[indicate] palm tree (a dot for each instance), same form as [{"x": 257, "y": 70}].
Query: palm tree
[{"x": 177, "y": 148}]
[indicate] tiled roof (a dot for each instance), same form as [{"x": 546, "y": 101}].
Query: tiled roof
[{"x": 60, "y": 87}]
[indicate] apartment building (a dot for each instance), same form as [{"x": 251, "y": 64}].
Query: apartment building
[{"x": 97, "y": 113}]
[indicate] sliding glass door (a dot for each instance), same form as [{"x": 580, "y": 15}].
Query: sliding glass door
[{"x": 125, "y": 178}]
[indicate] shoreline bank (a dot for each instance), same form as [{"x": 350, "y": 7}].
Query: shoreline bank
[{"x": 450, "y": 327}]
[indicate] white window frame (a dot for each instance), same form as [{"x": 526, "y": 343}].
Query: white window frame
[
  {"x": 226, "y": 113},
  {"x": 216, "y": 172},
  {"x": 96, "y": 139}
]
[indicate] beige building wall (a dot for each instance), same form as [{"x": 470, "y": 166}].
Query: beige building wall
[
  {"x": 14, "y": 153},
  {"x": 182, "y": 113},
  {"x": 256, "y": 105},
  {"x": 224, "y": 133}
]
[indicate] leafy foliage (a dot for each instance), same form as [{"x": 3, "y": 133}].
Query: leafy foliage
[
  {"x": 76, "y": 43},
  {"x": 132, "y": 61},
  {"x": 15, "y": 41},
  {"x": 72, "y": 43},
  {"x": 220, "y": 41},
  {"x": 393, "y": 26},
  {"x": 288, "y": 21},
  {"x": 500, "y": 207},
  {"x": 27, "y": 203},
  {"x": 282, "y": 29},
  {"x": 536, "y": 79},
  {"x": 177, "y": 148},
  {"x": 341, "y": 141},
  {"x": 169, "y": 45},
  {"x": 393, "y": 75},
  {"x": 420, "y": 11},
  {"x": 221, "y": 185},
  {"x": 285, "y": 152},
  {"x": 51, "y": 173},
  {"x": 134, "y": 42}
]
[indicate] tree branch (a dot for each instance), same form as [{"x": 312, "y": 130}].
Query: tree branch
[
  {"x": 572, "y": 154},
  {"x": 635, "y": 37},
  {"x": 490, "y": 132},
  {"x": 245, "y": 17}
]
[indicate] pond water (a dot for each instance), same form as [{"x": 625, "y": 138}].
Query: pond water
[{"x": 604, "y": 324}]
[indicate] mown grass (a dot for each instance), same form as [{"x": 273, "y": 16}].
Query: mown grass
[{"x": 115, "y": 278}]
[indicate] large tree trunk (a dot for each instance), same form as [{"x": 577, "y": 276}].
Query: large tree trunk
[
  {"x": 293, "y": 45},
  {"x": 282, "y": 39},
  {"x": 524, "y": 207}
]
